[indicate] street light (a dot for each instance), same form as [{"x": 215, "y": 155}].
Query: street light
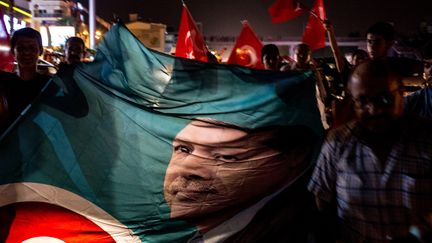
[{"x": 92, "y": 22}]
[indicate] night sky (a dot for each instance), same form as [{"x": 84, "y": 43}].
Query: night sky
[{"x": 222, "y": 17}]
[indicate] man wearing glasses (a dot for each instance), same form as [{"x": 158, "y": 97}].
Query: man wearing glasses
[{"x": 374, "y": 175}]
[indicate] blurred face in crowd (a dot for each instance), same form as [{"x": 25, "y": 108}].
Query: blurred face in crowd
[
  {"x": 74, "y": 52},
  {"x": 215, "y": 168},
  {"x": 271, "y": 62},
  {"x": 377, "y": 46},
  {"x": 302, "y": 55},
  {"x": 427, "y": 69},
  {"x": 378, "y": 100},
  {"x": 26, "y": 52}
]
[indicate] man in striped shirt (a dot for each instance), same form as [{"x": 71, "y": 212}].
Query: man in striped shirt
[{"x": 374, "y": 175}]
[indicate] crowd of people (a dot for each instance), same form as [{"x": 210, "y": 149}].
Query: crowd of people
[{"x": 373, "y": 178}]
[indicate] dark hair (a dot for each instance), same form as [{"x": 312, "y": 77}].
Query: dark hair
[
  {"x": 384, "y": 29},
  {"x": 269, "y": 49},
  {"x": 303, "y": 45},
  {"x": 75, "y": 39},
  {"x": 29, "y": 33},
  {"x": 378, "y": 69}
]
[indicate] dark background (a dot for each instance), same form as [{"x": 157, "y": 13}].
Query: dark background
[{"x": 222, "y": 17}]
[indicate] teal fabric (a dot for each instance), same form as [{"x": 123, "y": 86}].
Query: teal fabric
[{"x": 108, "y": 138}]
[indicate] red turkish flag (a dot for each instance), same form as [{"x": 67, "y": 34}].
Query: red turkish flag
[
  {"x": 284, "y": 10},
  {"x": 44, "y": 222},
  {"x": 247, "y": 49},
  {"x": 314, "y": 34},
  {"x": 6, "y": 58},
  {"x": 190, "y": 43}
]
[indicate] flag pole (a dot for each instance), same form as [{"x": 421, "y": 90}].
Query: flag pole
[
  {"x": 92, "y": 22},
  {"x": 316, "y": 16}
]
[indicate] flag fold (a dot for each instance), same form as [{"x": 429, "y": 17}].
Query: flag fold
[
  {"x": 314, "y": 34},
  {"x": 284, "y": 10}
]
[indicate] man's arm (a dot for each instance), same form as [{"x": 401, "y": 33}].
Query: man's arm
[
  {"x": 323, "y": 186},
  {"x": 340, "y": 65}
]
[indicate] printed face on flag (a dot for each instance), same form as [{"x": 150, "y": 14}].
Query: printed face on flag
[{"x": 215, "y": 165}]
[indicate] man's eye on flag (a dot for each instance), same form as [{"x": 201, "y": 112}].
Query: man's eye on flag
[
  {"x": 190, "y": 43},
  {"x": 146, "y": 147},
  {"x": 6, "y": 58},
  {"x": 284, "y": 10},
  {"x": 314, "y": 34},
  {"x": 247, "y": 49}
]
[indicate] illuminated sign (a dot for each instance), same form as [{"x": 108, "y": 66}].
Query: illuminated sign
[
  {"x": 18, "y": 24},
  {"x": 59, "y": 34}
]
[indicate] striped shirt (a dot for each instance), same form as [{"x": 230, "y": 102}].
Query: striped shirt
[{"x": 376, "y": 203}]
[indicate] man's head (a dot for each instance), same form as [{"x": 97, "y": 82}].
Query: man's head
[
  {"x": 74, "y": 50},
  {"x": 380, "y": 38},
  {"x": 302, "y": 54},
  {"x": 217, "y": 168},
  {"x": 26, "y": 46},
  {"x": 270, "y": 57},
  {"x": 426, "y": 53},
  {"x": 359, "y": 56},
  {"x": 377, "y": 95}
]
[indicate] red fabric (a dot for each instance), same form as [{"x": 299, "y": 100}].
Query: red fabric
[
  {"x": 6, "y": 58},
  {"x": 284, "y": 10},
  {"x": 247, "y": 49},
  {"x": 314, "y": 34},
  {"x": 27, "y": 220},
  {"x": 190, "y": 43}
]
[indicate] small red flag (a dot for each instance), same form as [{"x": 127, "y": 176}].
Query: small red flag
[
  {"x": 247, "y": 49},
  {"x": 284, "y": 10},
  {"x": 6, "y": 58},
  {"x": 314, "y": 34},
  {"x": 190, "y": 43}
]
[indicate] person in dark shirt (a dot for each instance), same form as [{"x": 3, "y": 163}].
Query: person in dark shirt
[
  {"x": 21, "y": 88},
  {"x": 419, "y": 103}
]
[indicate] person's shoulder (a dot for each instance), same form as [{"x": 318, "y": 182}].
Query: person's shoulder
[
  {"x": 43, "y": 78},
  {"x": 420, "y": 126},
  {"x": 8, "y": 78},
  {"x": 342, "y": 133}
]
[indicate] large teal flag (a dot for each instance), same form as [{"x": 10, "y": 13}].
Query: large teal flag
[{"x": 139, "y": 146}]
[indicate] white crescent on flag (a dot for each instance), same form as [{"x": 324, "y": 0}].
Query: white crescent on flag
[
  {"x": 251, "y": 53},
  {"x": 55, "y": 215}
]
